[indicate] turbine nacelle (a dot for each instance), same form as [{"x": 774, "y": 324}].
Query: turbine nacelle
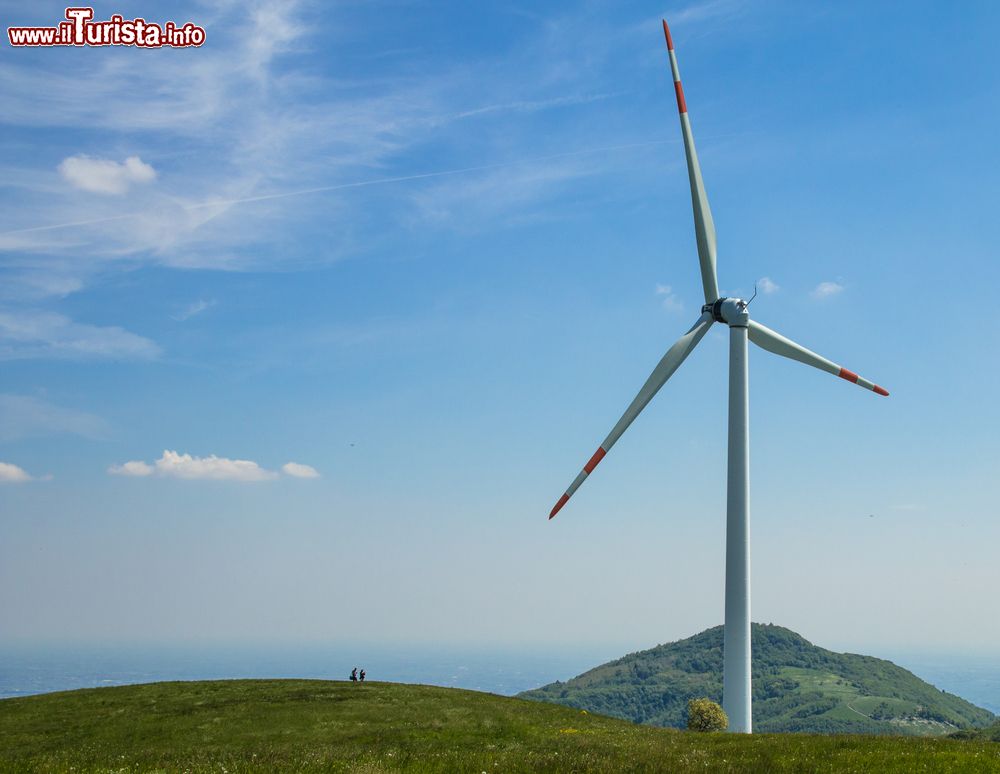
[{"x": 731, "y": 311}]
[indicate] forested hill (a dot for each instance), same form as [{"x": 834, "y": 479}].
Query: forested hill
[{"x": 796, "y": 687}]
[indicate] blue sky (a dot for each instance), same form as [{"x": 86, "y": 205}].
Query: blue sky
[{"x": 440, "y": 349}]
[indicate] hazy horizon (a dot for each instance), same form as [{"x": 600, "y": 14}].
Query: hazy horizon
[
  {"x": 860, "y": 646},
  {"x": 42, "y": 668}
]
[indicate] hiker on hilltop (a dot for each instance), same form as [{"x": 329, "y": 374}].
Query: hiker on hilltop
[
  {"x": 354, "y": 675},
  {"x": 362, "y": 675}
]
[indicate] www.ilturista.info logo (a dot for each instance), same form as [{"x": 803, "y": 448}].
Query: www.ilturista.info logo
[{"x": 79, "y": 29}]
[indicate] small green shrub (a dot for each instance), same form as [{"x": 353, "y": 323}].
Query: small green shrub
[{"x": 706, "y": 715}]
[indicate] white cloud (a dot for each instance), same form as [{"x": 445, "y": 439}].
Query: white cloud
[
  {"x": 212, "y": 468},
  {"x": 104, "y": 175},
  {"x": 670, "y": 299},
  {"x": 25, "y": 416},
  {"x": 767, "y": 285},
  {"x": 33, "y": 334},
  {"x": 298, "y": 470},
  {"x": 12, "y": 474},
  {"x": 174, "y": 465},
  {"x": 136, "y": 468},
  {"x": 826, "y": 289},
  {"x": 193, "y": 309}
]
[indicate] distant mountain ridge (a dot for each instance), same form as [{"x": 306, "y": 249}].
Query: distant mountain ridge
[{"x": 797, "y": 687}]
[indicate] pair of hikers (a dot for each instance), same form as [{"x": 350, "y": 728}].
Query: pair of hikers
[{"x": 355, "y": 677}]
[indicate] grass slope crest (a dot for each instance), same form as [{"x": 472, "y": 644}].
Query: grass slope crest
[
  {"x": 797, "y": 687},
  {"x": 306, "y": 726}
]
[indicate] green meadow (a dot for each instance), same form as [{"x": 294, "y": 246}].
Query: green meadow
[{"x": 313, "y": 726}]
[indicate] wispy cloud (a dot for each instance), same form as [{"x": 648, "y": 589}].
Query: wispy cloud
[
  {"x": 255, "y": 123},
  {"x": 33, "y": 334},
  {"x": 536, "y": 163},
  {"x": 503, "y": 191},
  {"x": 695, "y": 15},
  {"x": 670, "y": 299},
  {"x": 172, "y": 464},
  {"x": 827, "y": 289},
  {"x": 25, "y": 416},
  {"x": 767, "y": 285},
  {"x": 193, "y": 309},
  {"x": 105, "y": 176},
  {"x": 707, "y": 10},
  {"x": 526, "y": 106},
  {"x": 248, "y": 123},
  {"x": 39, "y": 284},
  {"x": 274, "y": 29}
]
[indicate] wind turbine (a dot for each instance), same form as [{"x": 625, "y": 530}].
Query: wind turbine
[{"x": 732, "y": 312}]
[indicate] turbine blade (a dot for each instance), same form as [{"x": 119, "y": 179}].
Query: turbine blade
[
  {"x": 774, "y": 342},
  {"x": 704, "y": 226},
  {"x": 663, "y": 371}
]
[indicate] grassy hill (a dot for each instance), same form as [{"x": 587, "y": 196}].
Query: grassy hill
[
  {"x": 310, "y": 726},
  {"x": 989, "y": 734},
  {"x": 796, "y": 687}
]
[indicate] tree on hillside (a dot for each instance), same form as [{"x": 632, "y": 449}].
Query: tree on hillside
[{"x": 706, "y": 715}]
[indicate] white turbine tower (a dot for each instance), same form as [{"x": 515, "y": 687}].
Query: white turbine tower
[{"x": 732, "y": 312}]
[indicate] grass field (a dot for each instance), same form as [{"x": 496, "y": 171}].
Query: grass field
[{"x": 307, "y": 726}]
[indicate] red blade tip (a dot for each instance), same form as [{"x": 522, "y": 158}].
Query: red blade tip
[
  {"x": 666, "y": 34},
  {"x": 592, "y": 463},
  {"x": 559, "y": 505},
  {"x": 881, "y": 390}
]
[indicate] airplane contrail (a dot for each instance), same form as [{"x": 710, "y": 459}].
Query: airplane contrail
[{"x": 343, "y": 186}]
